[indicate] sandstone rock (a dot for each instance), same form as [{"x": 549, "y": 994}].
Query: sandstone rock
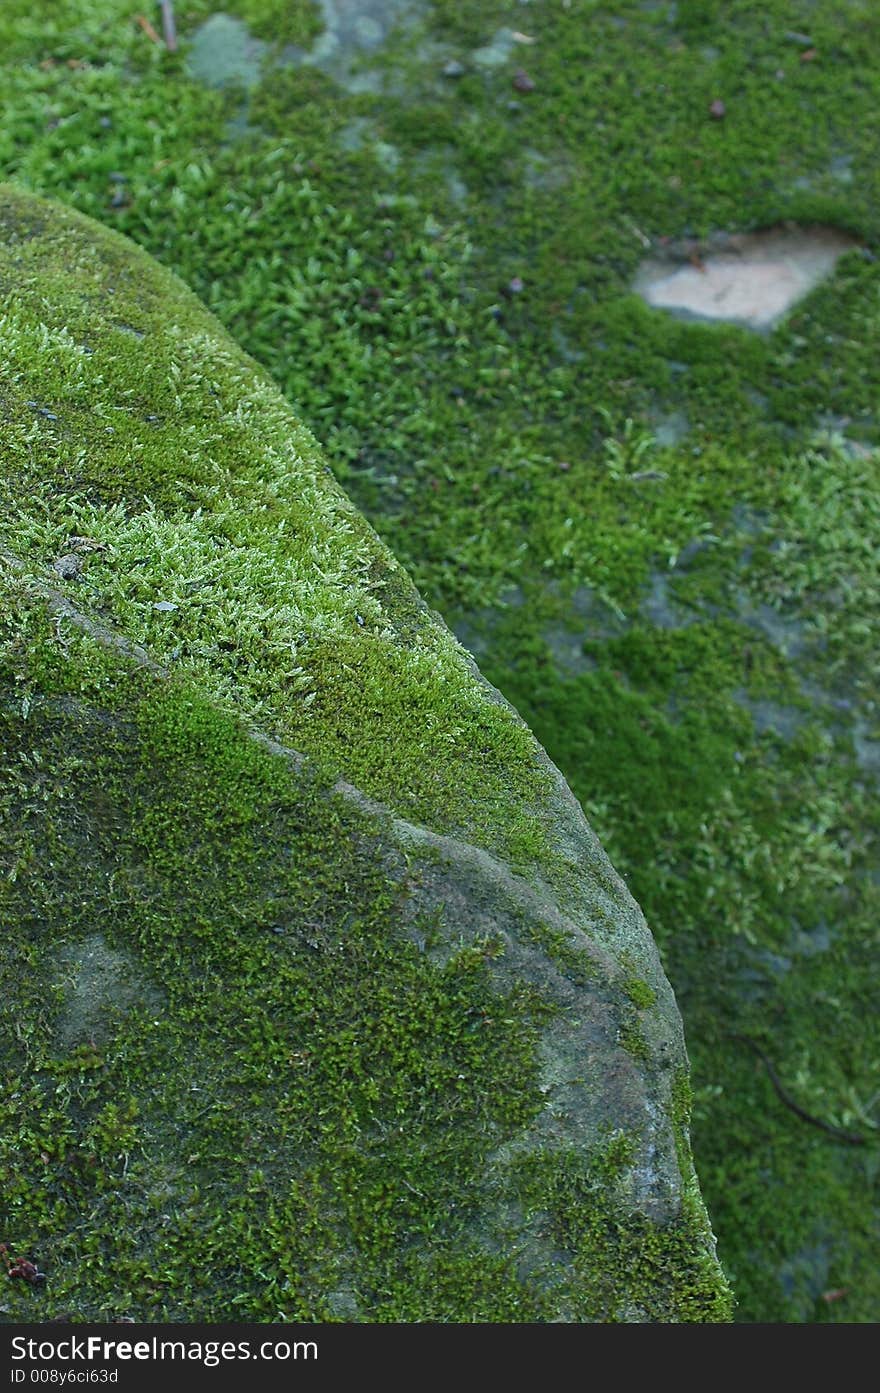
[
  {"x": 751, "y": 279},
  {"x": 321, "y": 999}
]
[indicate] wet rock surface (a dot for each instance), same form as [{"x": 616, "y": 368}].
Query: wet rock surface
[{"x": 751, "y": 279}]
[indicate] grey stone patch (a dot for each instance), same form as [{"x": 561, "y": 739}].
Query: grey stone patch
[
  {"x": 784, "y": 721},
  {"x": 778, "y": 964},
  {"x": 343, "y": 1304},
  {"x": 456, "y": 187},
  {"x": 758, "y": 978},
  {"x": 592, "y": 1086},
  {"x": 669, "y": 428},
  {"x": 68, "y": 567},
  {"x": 542, "y": 172},
  {"x": 355, "y": 26},
  {"x": 497, "y": 51},
  {"x": 692, "y": 549},
  {"x": 751, "y": 279},
  {"x": 788, "y": 635},
  {"x": 355, "y": 31},
  {"x": 387, "y": 155},
  {"x": 563, "y": 347},
  {"x": 354, "y": 135},
  {"x": 805, "y": 1275},
  {"x": 360, "y": 134},
  {"x": 568, "y": 650},
  {"x": 822, "y": 697},
  {"x": 841, "y": 168},
  {"x": 753, "y": 521},
  {"x": 99, "y": 984},
  {"x": 809, "y": 943},
  {"x": 438, "y": 160},
  {"x": 754, "y": 524},
  {"x": 238, "y": 126},
  {"x": 764, "y": 967},
  {"x": 591, "y": 618},
  {"x": 831, "y": 433},
  {"x": 223, "y": 53},
  {"x": 862, "y": 729},
  {"x": 839, "y": 171},
  {"x": 601, "y": 618},
  {"x": 867, "y": 750},
  {"x": 475, "y": 631},
  {"x": 660, "y": 609}
]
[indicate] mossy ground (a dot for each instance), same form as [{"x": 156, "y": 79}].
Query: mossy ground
[{"x": 722, "y": 742}]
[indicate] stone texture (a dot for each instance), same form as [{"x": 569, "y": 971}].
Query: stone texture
[
  {"x": 750, "y": 278},
  {"x": 326, "y": 971}
]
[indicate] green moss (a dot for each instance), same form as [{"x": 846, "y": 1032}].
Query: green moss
[
  {"x": 640, "y": 993},
  {"x": 301, "y": 1100},
  {"x": 232, "y": 554},
  {"x": 278, "y": 21},
  {"x": 449, "y": 404},
  {"x": 577, "y": 1210},
  {"x": 335, "y": 1097}
]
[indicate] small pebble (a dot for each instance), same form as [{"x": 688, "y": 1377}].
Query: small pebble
[
  {"x": 67, "y": 566},
  {"x": 718, "y": 110}
]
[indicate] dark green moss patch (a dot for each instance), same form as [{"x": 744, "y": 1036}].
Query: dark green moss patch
[
  {"x": 267, "y": 1108},
  {"x": 578, "y": 1213}
]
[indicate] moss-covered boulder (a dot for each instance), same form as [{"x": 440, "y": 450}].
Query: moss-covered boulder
[{"x": 321, "y": 1000}]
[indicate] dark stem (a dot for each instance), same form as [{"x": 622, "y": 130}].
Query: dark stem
[
  {"x": 853, "y": 1138},
  {"x": 168, "y": 27}
]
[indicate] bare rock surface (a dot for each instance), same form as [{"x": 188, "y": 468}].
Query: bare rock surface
[{"x": 749, "y": 278}]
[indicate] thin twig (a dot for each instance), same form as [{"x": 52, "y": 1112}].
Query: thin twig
[
  {"x": 854, "y": 1138},
  {"x": 148, "y": 28},
  {"x": 168, "y": 27}
]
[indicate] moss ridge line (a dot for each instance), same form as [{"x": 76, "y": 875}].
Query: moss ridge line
[{"x": 195, "y": 513}]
